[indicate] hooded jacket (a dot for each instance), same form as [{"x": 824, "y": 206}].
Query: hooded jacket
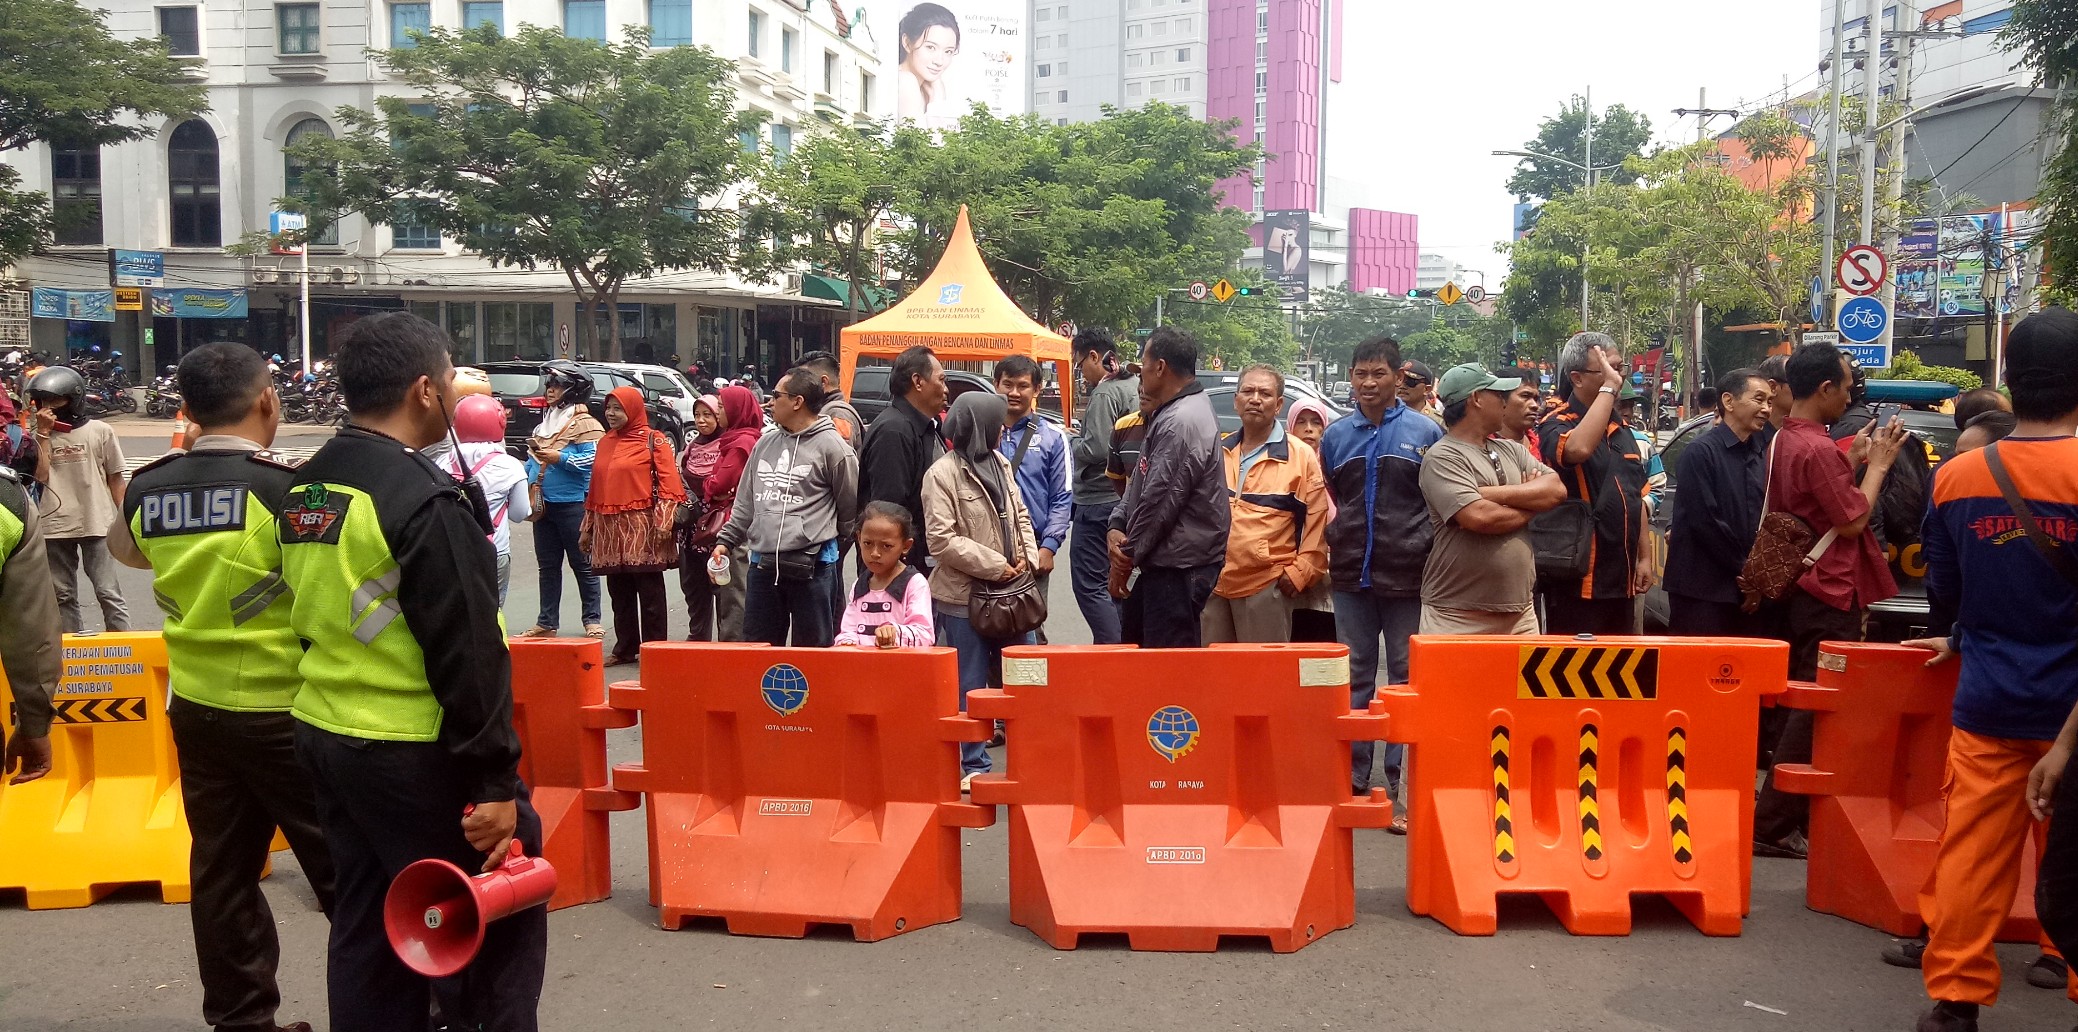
[{"x": 798, "y": 490}]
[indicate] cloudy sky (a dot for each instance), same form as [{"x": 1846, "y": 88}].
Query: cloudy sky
[{"x": 1429, "y": 89}]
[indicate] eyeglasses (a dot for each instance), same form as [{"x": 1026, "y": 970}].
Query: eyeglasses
[
  {"x": 1495, "y": 458},
  {"x": 784, "y": 394}
]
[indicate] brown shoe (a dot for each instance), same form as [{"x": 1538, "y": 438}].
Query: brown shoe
[{"x": 1399, "y": 824}]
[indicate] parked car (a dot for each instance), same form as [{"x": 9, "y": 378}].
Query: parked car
[
  {"x": 1222, "y": 399},
  {"x": 1895, "y": 619},
  {"x": 869, "y": 391},
  {"x": 517, "y": 385},
  {"x": 671, "y": 384}
]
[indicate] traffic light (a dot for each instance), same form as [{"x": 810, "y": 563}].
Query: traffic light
[
  {"x": 1246, "y": 291},
  {"x": 1420, "y": 295}
]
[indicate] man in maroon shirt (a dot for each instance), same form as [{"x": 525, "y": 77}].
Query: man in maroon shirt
[{"x": 1812, "y": 480}]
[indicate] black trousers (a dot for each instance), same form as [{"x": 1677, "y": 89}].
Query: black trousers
[
  {"x": 2056, "y": 881},
  {"x": 1777, "y": 813},
  {"x": 1166, "y": 603},
  {"x": 1598, "y": 616},
  {"x": 641, "y": 611},
  {"x": 239, "y": 780},
  {"x": 383, "y": 806}
]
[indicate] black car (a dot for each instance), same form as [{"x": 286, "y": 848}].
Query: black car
[
  {"x": 1895, "y": 619},
  {"x": 518, "y": 386},
  {"x": 869, "y": 392}
]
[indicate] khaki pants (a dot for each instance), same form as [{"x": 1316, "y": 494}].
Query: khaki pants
[
  {"x": 1476, "y": 621},
  {"x": 1263, "y": 616}
]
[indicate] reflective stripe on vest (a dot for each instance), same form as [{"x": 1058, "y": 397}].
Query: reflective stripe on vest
[{"x": 380, "y": 594}]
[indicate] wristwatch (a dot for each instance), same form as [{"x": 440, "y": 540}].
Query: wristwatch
[{"x": 1606, "y": 389}]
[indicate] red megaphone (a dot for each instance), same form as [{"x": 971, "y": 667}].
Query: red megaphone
[{"x": 435, "y": 914}]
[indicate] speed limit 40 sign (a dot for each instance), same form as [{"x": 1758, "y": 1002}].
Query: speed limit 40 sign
[{"x": 1861, "y": 270}]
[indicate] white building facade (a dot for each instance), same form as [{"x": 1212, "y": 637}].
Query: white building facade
[
  {"x": 276, "y": 72},
  {"x": 1087, "y": 54}
]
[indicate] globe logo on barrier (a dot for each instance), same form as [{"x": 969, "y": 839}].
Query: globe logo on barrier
[
  {"x": 785, "y": 689},
  {"x": 1172, "y": 731}
]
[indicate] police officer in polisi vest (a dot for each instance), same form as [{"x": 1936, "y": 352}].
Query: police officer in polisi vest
[
  {"x": 404, "y": 719},
  {"x": 30, "y": 643},
  {"x": 203, "y": 521}
]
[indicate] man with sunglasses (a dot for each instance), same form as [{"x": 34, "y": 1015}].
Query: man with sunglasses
[{"x": 1481, "y": 491}]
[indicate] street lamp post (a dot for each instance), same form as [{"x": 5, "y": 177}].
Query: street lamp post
[{"x": 1590, "y": 173}]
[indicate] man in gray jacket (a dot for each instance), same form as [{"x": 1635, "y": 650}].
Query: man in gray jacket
[
  {"x": 30, "y": 644},
  {"x": 1172, "y": 524},
  {"x": 798, "y": 499},
  {"x": 1110, "y": 392}
]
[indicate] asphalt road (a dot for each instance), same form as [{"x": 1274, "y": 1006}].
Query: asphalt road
[{"x": 126, "y": 964}]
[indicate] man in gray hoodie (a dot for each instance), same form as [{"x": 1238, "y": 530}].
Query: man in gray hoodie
[
  {"x": 1111, "y": 393},
  {"x": 1172, "y": 523},
  {"x": 797, "y": 501}
]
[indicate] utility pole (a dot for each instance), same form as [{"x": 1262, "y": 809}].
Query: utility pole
[
  {"x": 1587, "y": 163},
  {"x": 1894, "y": 190},
  {"x": 1832, "y": 153},
  {"x": 1704, "y": 113},
  {"x": 1872, "y": 80}
]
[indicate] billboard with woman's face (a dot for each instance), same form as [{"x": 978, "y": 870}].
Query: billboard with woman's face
[{"x": 949, "y": 55}]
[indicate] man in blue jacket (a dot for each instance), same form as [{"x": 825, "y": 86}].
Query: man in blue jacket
[
  {"x": 1378, "y": 542},
  {"x": 1038, "y": 454}
]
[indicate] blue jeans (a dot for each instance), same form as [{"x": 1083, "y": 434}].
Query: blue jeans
[
  {"x": 1361, "y": 619},
  {"x": 773, "y": 607},
  {"x": 1089, "y": 562},
  {"x": 981, "y": 666},
  {"x": 555, "y": 539}
]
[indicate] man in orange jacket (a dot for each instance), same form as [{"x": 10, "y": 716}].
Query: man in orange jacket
[{"x": 1277, "y": 541}]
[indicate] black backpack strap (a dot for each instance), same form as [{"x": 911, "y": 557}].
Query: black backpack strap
[{"x": 2051, "y": 549}]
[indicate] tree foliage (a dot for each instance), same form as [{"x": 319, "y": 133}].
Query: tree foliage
[
  {"x": 64, "y": 78},
  {"x": 1620, "y": 134},
  {"x": 601, "y": 160},
  {"x": 1242, "y": 331},
  {"x": 822, "y": 205},
  {"x": 1337, "y": 319},
  {"x": 1907, "y": 365},
  {"x": 2042, "y": 31}
]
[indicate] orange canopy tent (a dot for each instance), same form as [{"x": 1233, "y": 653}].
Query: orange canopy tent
[{"x": 960, "y": 313}]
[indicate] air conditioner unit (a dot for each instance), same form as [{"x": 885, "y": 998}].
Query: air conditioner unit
[
  {"x": 353, "y": 275},
  {"x": 266, "y": 276},
  {"x": 335, "y": 274},
  {"x": 792, "y": 283}
]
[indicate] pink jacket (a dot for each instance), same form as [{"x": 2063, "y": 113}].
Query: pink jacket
[{"x": 905, "y": 602}]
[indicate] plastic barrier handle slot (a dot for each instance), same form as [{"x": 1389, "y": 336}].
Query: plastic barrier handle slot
[
  {"x": 1803, "y": 779},
  {"x": 631, "y": 777},
  {"x": 1807, "y": 696}
]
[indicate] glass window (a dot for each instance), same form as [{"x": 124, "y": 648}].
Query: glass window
[
  {"x": 1262, "y": 82},
  {"x": 1063, "y": 97},
  {"x": 829, "y": 73},
  {"x": 296, "y": 28},
  {"x": 1161, "y": 28},
  {"x": 76, "y": 194},
  {"x": 865, "y": 91},
  {"x": 292, "y": 172},
  {"x": 1183, "y": 53},
  {"x": 461, "y": 329},
  {"x": 1262, "y": 20},
  {"x": 406, "y": 19},
  {"x": 782, "y": 140},
  {"x": 1134, "y": 89},
  {"x": 194, "y": 190},
  {"x": 1183, "y": 85},
  {"x": 182, "y": 29},
  {"x": 484, "y": 12},
  {"x": 1046, "y": 14},
  {"x": 1134, "y": 31},
  {"x": 1045, "y": 71},
  {"x": 1262, "y": 50},
  {"x": 787, "y": 39},
  {"x": 1156, "y": 87},
  {"x": 1135, "y": 60},
  {"x": 757, "y": 29},
  {"x": 1062, "y": 68},
  {"x": 584, "y": 19},
  {"x": 670, "y": 23},
  {"x": 519, "y": 331},
  {"x": 412, "y": 235},
  {"x": 749, "y": 139},
  {"x": 1183, "y": 26}
]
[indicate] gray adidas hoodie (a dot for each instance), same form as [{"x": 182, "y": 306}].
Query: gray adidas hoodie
[{"x": 797, "y": 490}]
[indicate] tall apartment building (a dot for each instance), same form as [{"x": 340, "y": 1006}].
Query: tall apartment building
[
  {"x": 277, "y": 72},
  {"x": 1270, "y": 66}
]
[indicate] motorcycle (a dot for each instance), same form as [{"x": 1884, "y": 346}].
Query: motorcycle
[{"x": 162, "y": 399}]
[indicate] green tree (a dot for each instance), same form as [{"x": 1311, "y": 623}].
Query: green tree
[
  {"x": 1336, "y": 319},
  {"x": 535, "y": 150},
  {"x": 1246, "y": 330},
  {"x": 1089, "y": 221},
  {"x": 1620, "y": 134},
  {"x": 823, "y": 203},
  {"x": 2042, "y": 31},
  {"x": 65, "y": 79}
]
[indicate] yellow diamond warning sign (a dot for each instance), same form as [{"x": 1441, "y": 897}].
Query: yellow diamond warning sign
[
  {"x": 1450, "y": 294},
  {"x": 1223, "y": 291}
]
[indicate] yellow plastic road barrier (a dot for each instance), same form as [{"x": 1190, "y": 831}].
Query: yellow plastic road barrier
[{"x": 109, "y": 813}]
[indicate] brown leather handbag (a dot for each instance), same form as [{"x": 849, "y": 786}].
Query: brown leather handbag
[
  {"x": 1782, "y": 550},
  {"x": 1011, "y": 608}
]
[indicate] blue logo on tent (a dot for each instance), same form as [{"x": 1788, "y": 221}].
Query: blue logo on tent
[
  {"x": 785, "y": 689},
  {"x": 1173, "y": 731},
  {"x": 949, "y": 294}
]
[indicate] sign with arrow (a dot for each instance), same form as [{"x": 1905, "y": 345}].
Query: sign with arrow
[{"x": 1861, "y": 270}]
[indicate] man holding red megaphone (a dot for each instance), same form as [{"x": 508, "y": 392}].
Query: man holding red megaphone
[{"x": 405, "y": 713}]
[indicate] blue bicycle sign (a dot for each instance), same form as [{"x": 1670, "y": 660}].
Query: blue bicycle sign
[{"x": 1862, "y": 320}]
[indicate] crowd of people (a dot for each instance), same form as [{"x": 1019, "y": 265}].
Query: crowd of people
[{"x": 339, "y": 667}]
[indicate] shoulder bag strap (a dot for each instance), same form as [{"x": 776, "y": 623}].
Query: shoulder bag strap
[
  {"x": 1024, "y": 445},
  {"x": 2051, "y": 549},
  {"x": 1825, "y": 540}
]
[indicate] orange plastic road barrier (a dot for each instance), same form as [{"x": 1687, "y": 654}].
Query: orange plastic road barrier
[
  {"x": 788, "y": 788},
  {"x": 1879, "y": 756},
  {"x": 109, "y": 813},
  {"x": 1582, "y": 771},
  {"x": 1180, "y": 795},
  {"x": 559, "y": 708}
]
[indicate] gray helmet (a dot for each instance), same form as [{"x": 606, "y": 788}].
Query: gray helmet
[
  {"x": 571, "y": 377},
  {"x": 60, "y": 382}
]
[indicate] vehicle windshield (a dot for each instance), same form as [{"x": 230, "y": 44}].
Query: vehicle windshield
[{"x": 515, "y": 384}]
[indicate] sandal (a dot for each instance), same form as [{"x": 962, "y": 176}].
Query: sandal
[
  {"x": 537, "y": 631},
  {"x": 592, "y": 630}
]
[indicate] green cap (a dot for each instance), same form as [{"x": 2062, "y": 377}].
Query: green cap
[
  {"x": 1463, "y": 381},
  {"x": 1628, "y": 392}
]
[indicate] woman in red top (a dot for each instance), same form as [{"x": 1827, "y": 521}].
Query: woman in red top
[
  {"x": 628, "y": 515},
  {"x": 714, "y": 467}
]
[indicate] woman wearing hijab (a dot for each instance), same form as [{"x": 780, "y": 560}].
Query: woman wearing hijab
[
  {"x": 559, "y": 462},
  {"x": 715, "y": 611},
  {"x": 978, "y": 530},
  {"x": 628, "y": 517},
  {"x": 799, "y": 499},
  {"x": 1313, "y": 613}
]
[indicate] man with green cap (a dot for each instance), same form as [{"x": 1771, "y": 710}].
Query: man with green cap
[
  {"x": 1481, "y": 492},
  {"x": 1627, "y": 399}
]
